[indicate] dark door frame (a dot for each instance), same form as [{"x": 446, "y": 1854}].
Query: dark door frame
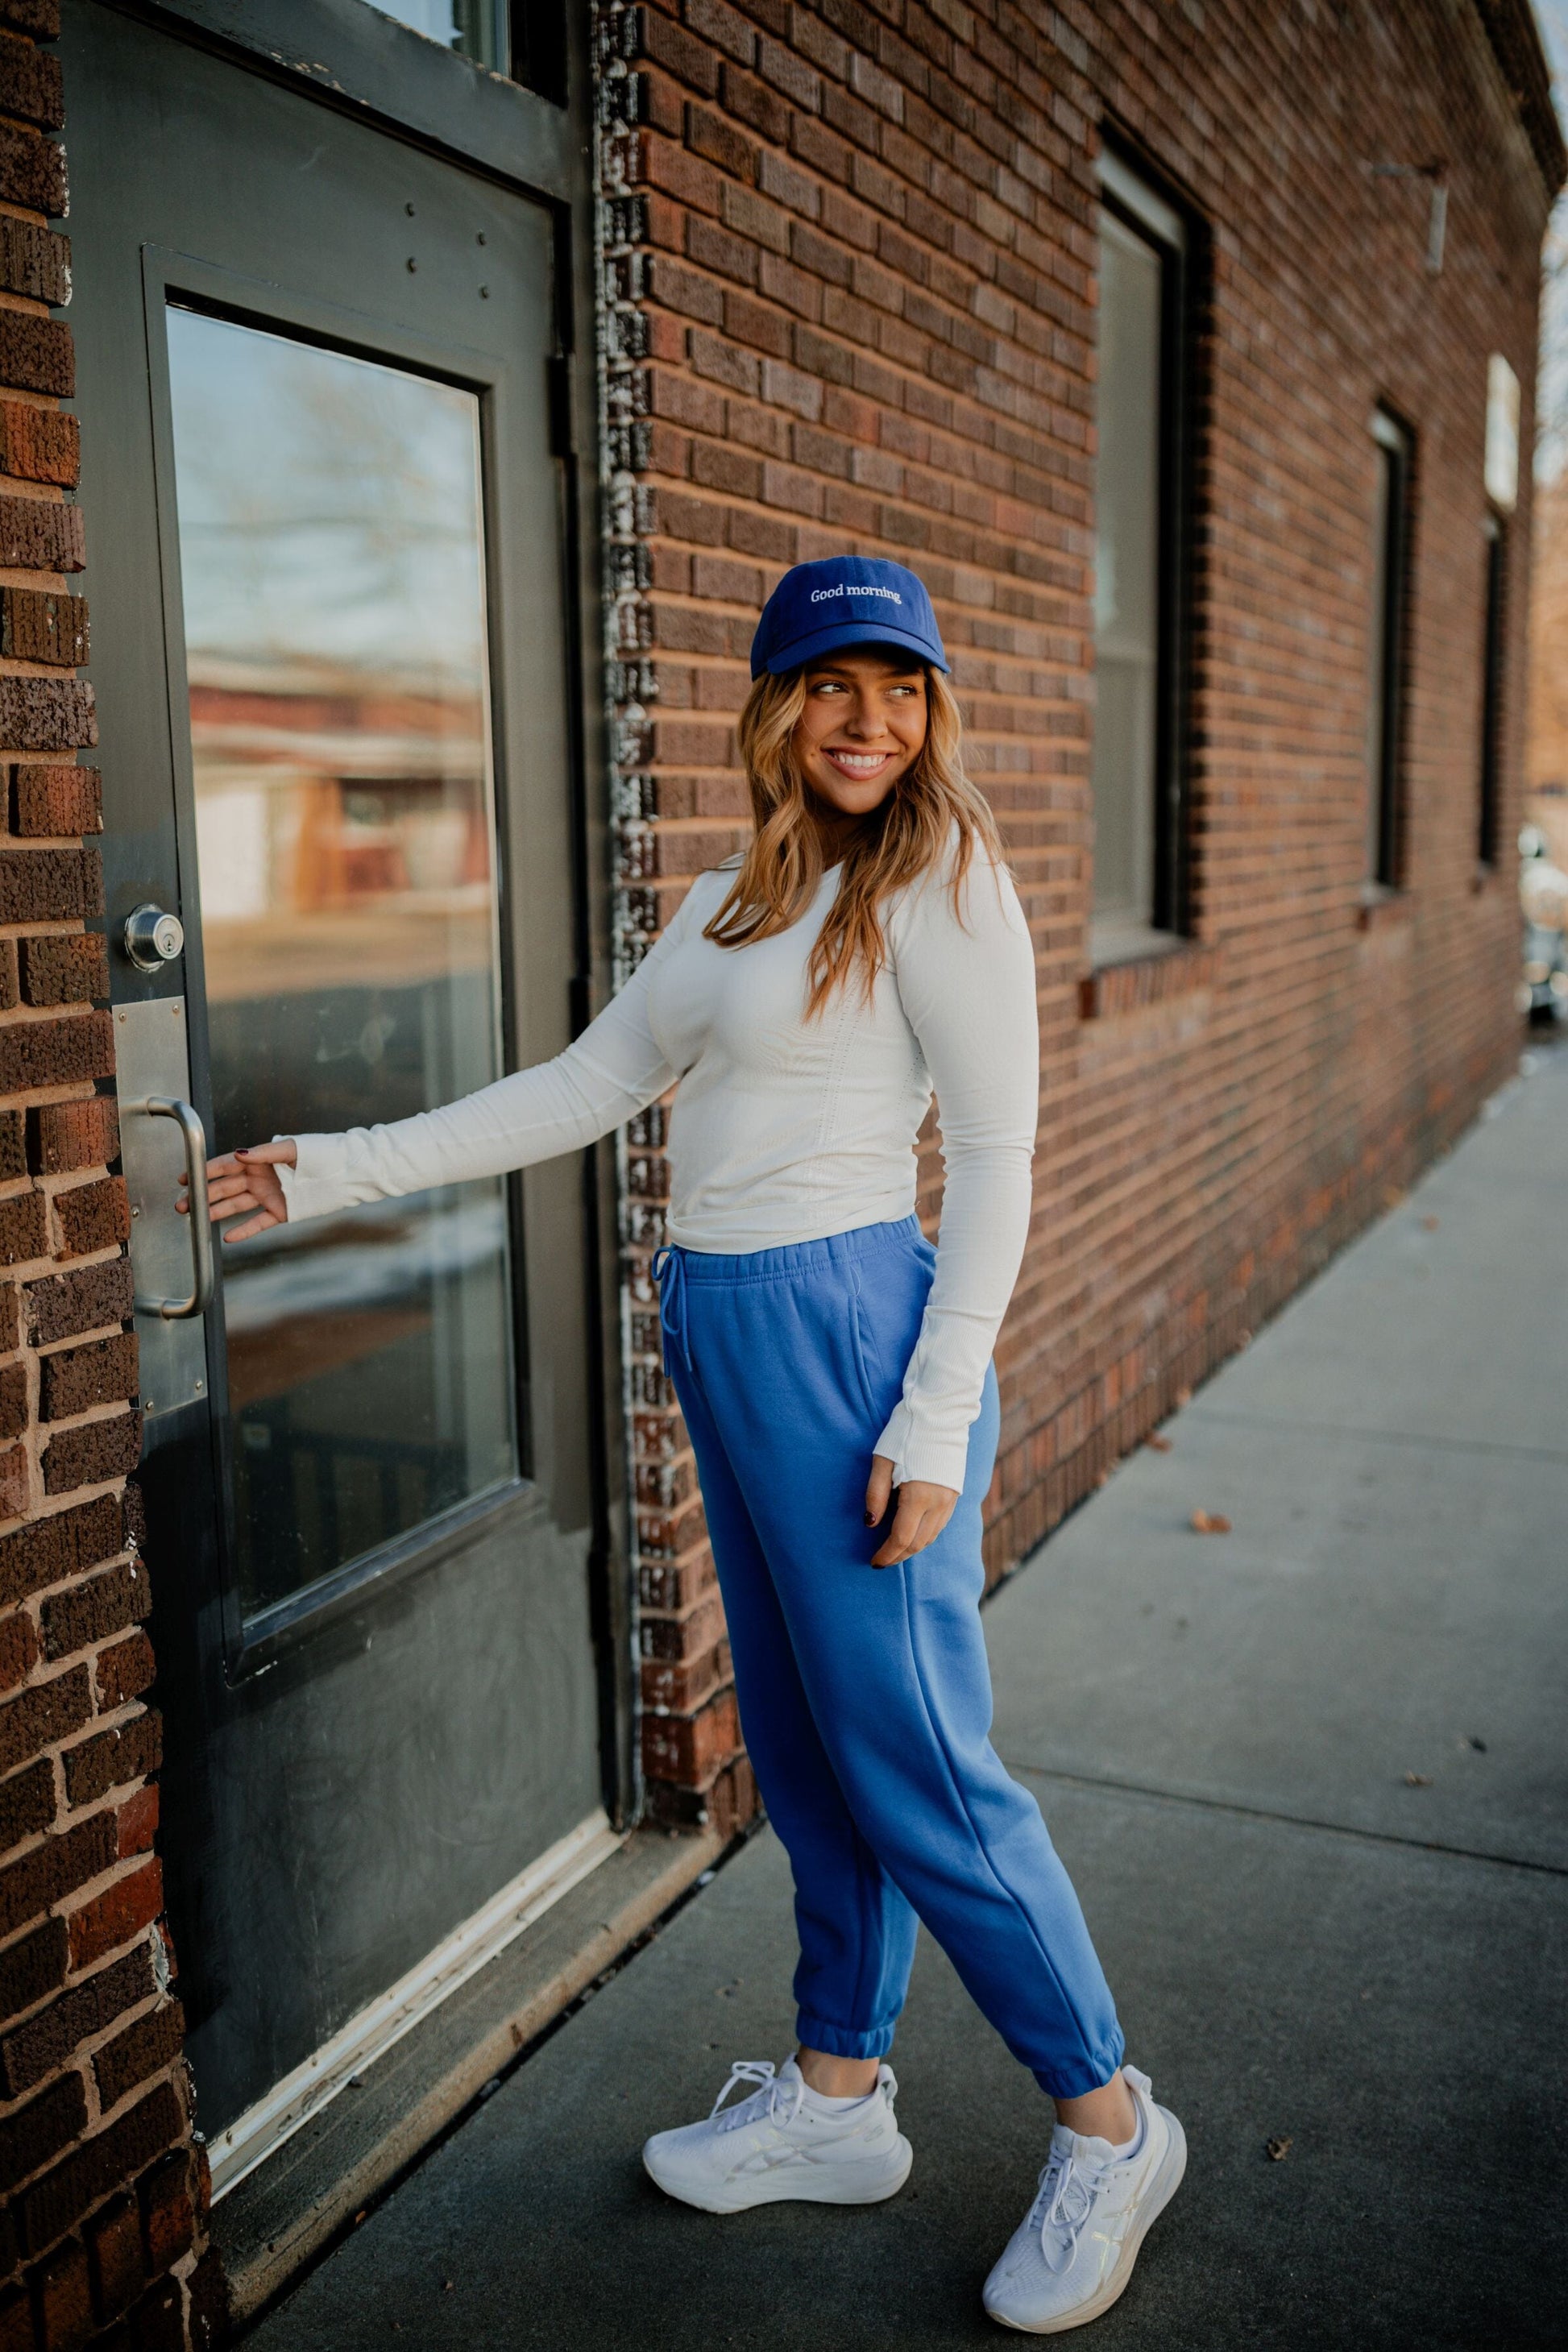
[
  {"x": 252, "y": 1645},
  {"x": 363, "y": 64}
]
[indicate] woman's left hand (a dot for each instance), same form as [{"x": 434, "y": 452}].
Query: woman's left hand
[{"x": 923, "y": 1511}]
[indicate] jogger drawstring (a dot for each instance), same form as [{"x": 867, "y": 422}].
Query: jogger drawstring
[{"x": 669, "y": 1271}]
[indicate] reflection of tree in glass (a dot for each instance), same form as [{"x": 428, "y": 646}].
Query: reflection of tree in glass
[{"x": 329, "y": 506}]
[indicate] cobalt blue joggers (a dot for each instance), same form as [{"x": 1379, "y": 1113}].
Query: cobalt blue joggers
[{"x": 865, "y": 1693}]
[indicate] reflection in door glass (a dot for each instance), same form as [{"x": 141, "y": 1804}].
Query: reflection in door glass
[
  {"x": 466, "y": 25},
  {"x": 331, "y": 549}
]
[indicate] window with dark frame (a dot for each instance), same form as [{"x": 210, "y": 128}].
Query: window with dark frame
[
  {"x": 1493, "y": 644},
  {"x": 523, "y": 39},
  {"x": 1385, "y": 683},
  {"x": 1136, "y": 768}
]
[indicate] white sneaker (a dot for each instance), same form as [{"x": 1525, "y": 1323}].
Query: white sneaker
[
  {"x": 1073, "y": 2252},
  {"x": 777, "y": 2145}
]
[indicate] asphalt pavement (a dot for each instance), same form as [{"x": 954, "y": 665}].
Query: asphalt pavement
[{"x": 1311, "y": 1780}]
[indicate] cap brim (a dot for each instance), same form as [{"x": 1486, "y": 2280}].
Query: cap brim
[{"x": 839, "y": 634}]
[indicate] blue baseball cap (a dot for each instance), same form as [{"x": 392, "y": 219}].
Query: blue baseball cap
[{"x": 845, "y": 600}]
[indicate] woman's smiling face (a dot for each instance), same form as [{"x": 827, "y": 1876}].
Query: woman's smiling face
[{"x": 863, "y": 727}]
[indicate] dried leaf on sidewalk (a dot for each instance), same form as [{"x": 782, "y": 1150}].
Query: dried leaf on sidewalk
[
  {"x": 1210, "y": 1523},
  {"x": 1278, "y": 2148},
  {"x": 1156, "y": 1443},
  {"x": 1430, "y": 1224},
  {"x": 1418, "y": 1779}
]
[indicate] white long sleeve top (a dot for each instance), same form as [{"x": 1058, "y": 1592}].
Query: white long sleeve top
[{"x": 786, "y": 1129}]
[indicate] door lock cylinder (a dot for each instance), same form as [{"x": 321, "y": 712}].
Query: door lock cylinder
[{"x": 153, "y": 937}]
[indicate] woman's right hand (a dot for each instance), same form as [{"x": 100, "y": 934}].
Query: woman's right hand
[{"x": 246, "y": 1184}]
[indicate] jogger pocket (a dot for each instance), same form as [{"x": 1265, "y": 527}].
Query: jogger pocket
[{"x": 863, "y": 1348}]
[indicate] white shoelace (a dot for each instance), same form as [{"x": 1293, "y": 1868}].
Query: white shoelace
[
  {"x": 763, "y": 2100},
  {"x": 1067, "y": 2191}
]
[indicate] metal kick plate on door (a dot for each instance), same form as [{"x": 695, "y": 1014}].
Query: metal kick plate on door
[{"x": 152, "y": 1056}]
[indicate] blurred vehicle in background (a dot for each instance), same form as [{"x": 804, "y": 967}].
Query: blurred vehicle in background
[{"x": 1543, "y": 904}]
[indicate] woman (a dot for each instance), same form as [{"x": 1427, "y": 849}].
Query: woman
[{"x": 833, "y": 1371}]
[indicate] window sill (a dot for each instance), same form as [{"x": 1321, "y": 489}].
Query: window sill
[
  {"x": 1125, "y": 939},
  {"x": 1167, "y": 967},
  {"x": 1380, "y": 908}
]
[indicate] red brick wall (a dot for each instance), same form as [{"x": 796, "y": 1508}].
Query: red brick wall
[
  {"x": 850, "y": 275},
  {"x": 101, "y": 2186}
]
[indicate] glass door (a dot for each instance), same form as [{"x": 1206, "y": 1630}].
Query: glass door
[
  {"x": 332, "y": 570},
  {"x": 331, "y": 656}
]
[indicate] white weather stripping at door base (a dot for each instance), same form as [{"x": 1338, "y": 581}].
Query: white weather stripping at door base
[{"x": 253, "y": 2135}]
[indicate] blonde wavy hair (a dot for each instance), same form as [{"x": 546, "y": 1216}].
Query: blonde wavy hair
[{"x": 903, "y": 839}]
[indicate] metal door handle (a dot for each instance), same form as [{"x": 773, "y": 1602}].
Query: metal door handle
[{"x": 169, "y": 1107}]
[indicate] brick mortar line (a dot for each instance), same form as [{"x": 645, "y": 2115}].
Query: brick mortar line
[
  {"x": 98, "y": 2120},
  {"x": 55, "y": 1507},
  {"x": 645, "y": 250},
  {"x": 35, "y": 2009},
  {"x": 682, "y": 372},
  {"x": 1070, "y": 1218},
  {"x": 76, "y": 1008},
  {"x": 89, "y": 1415},
  {"x": 83, "y": 2053},
  {"x": 1311, "y": 320},
  {"x": 59, "y": 1187},
  {"x": 111, "y": 1801},
  {"x": 48, "y": 1506},
  {"x": 1316, "y": 1248},
  {"x": 46, "y": 1348},
  {"x": 948, "y": 303},
  {"x": 52, "y": 927},
  {"x": 29, "y": 1270},
  {"x": 1013, "y": 139},
  {"x": 170, "y": 2072},
  {"x": 43, "y": 494},
  {"x": 46, "y": 1671}
]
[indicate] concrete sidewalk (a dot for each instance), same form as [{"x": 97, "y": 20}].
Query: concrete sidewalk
[{"x": 1311, "y": 1779}]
